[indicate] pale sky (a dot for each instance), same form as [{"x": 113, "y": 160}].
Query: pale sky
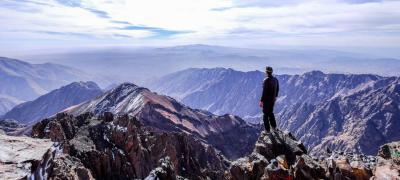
[{"x": 27, "y": 25}]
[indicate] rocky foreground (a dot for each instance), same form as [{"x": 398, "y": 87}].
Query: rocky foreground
[
  {"x": 120, "y": 147},
  {"x": 18, "y": 155}
]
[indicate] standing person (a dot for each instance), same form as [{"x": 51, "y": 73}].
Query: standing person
[{"x": 268, "y": 98}]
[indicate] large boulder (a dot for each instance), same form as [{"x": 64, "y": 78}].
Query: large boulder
[
  {"x": 388, "y": 164},
  {"x": 271, "y": 145}
]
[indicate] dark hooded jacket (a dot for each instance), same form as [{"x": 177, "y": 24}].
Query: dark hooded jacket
[{"x": 270, "y": 89}]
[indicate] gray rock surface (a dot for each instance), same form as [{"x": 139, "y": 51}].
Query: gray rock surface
[{"x": 19, "y": 154}]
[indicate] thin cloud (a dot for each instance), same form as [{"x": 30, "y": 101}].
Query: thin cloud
[{"x": 206, "y": 21}]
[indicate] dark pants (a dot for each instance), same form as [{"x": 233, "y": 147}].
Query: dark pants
[{"x": 269, "y": 117}]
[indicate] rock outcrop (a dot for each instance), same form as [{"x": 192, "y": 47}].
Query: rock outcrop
[
  {"x": 388, "y": 165},
  {"x": 277, "y": 155},
  {"x": 18, "y": 155},
  {"x": 121, "y": 148}
]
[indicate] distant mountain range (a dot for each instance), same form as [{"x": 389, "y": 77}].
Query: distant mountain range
[
  {"x": 21, "y": 81},
  {"x": 230, "y": 134},
  {"x": 7, "y": 103},
  {"x": 53, "y": 102},
  {"x": 323, "y": 110},
  {"x": 140, "y": 64}
]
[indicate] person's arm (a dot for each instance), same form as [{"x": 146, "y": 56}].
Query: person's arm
[
  {"x": 263, "y": 91},
  {"x": 262, "y": 95}
]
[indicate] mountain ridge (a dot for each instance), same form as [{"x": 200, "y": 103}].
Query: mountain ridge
[
  {"x": 302, "y": 98},
  {"x": 54, "y": 101},
  {"x": 166, "y": 114}
]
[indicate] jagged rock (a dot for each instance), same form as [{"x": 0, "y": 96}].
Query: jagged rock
[
  {"x": 164, "y": 171},
  {"x": 307, "y": 168},
  {"x": 360, "y": 170},
  {"x": 344, "y": 167},
  {"x": 286, "y": 155},
  {"x": 250, "y": 167},
  {"x": 123, "y": 149},
  {"x": 276, "y": 170},
  {"x": 108, "y": 117},
  {"x": 271, "y": 145},
  {"x": 57, "y": 165}
]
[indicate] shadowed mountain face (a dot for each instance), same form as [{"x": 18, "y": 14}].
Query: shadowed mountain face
[
  {"x": 221, "y": 90},
  {"x": 54, "y": 101},
  {"x": 323, "y": 110},
  {"x": 230, "y": 134},
  {"x": 216, "y": 90},
  {"x": 360, "y": 121}
]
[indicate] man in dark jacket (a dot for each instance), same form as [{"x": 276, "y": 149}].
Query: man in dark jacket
[{"x": 268, "y": 98}]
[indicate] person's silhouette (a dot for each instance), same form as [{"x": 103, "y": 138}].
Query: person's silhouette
[{"x": 268, "y": 98}]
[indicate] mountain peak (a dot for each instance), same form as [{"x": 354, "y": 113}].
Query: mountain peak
[
  {"x": 84, "y": 84},
  {"x": 314, "y": 73},
  {"x": 54, "y": 101},
  {"x": 167, "y": 114}
]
